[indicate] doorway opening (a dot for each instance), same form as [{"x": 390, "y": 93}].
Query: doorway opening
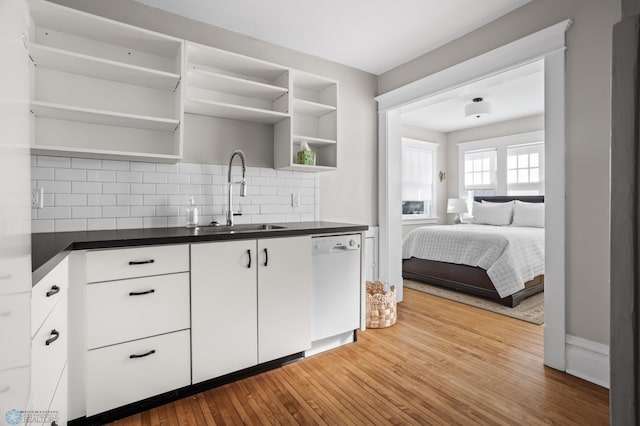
[{"x": 547, "y": 45}]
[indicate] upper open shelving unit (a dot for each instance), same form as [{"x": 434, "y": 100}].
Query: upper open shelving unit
[
  {"x": 104, "y": 87},
  {"x": 227, "y": 85},
  {"x": 314, "y": 121},
  {"x": 111, "y": 90}
]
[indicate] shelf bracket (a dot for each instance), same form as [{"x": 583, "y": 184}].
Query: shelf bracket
[
  {"x": 26, "y": 47},
  {"x": 177, "y": 84},
  {"x": 177, "y": 126}
]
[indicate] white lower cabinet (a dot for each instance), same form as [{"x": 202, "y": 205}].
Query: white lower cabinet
[
  {"x": 49, "y": 345},
  {"x": 49, "y": 356},
  {"x": 137, "y": 340},
  {"x": 121, "y": 374},
  {"x": 58, "y": 407},
  {"x": 145, "y": 307},
  {"x": 284, "y": 297},
  {"x": 250, "y": 303},
  {"x": 224, "y": 327}
]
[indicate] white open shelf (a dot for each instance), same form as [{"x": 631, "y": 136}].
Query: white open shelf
[
  {"x": 315, "y": 83},
  {"x": 103, "y": 153},
  {"x": 96, "y": 116},
  {"x": 224, "y": 83},
  {"x": 309, "y": 168},
  {"x": 312, "y": 140},
  {"x": 316, "y": 109},
  {"x": 71, "y": 21},
  {"x": 77, "y": 63},
  {"x": 233, "y": 63},
  {"x": 232, "y": 111}
]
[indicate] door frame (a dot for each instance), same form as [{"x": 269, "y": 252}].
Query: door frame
[{"x": 547, "y": 44}]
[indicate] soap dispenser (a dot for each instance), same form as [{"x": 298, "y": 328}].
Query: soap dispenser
[{"x": 192, "y": 214}]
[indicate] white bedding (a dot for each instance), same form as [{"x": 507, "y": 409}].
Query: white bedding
[{"x": 511, "y": 255}]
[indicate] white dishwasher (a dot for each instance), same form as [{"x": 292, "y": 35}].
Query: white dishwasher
[{"x": 335, "y": 289}]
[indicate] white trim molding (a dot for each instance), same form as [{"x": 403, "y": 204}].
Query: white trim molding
[
  {"x": 588, "y": 360},
  {"x": 509, "y": 56},
  {"x": 547, "y": 44}
]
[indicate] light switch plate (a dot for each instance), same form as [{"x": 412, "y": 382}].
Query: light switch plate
[
  {"x": 295, "y": 200},
  {"x": 37, "y": 198}
]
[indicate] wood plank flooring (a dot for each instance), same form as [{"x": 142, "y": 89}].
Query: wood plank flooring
[{"x": 443, "y": 363}]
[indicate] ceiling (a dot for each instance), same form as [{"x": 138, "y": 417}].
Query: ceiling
[
  {"x": 371, "y": 35},
  {"x": 512, "y": 94}
]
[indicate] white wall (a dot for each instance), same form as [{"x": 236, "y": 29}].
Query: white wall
[
  {"x": 348, "y": 194},
  {"x": 588, "y": 126}
]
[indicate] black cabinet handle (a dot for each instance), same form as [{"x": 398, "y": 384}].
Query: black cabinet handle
[
  {"x": 266, "y": 257},
  {"x": 54, "y": 336},
  {"x": 141, "y": 262},
  {"x": 249, "y": 253},
  {"x": 140, "y": 293},
  {"x": 54, "y": 290},
  {"x": 134, "y": 356}
]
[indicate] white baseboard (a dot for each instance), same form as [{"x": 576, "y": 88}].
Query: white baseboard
[
  {"x": 588, "y": 360},
  {"x": 329, "y": 343}
]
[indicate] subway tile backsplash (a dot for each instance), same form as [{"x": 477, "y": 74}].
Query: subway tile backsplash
[{"x": 82, "y": 194}]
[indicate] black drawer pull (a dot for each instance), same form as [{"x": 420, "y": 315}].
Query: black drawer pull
[
  {"x": 266, "y": 257},
  {"x": 54, "y": 336},
  {"x": 140, "y": 293},
  {"x": 141, "y": 262},
  {"x": 249, "y": 253},
  {"x": 54, "y": 290},
  {"x": 134, "y": 356}
]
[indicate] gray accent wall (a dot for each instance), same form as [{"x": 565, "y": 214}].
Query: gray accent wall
[
  {"x": 348, "y": 194},
  {"x": 588, "y": 127},
  {"x": 625, "y": 161}
]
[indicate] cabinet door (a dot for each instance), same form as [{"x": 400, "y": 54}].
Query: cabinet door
[
  {"x": 284, "y": 297},
  {"x": 224, "y": 323}
]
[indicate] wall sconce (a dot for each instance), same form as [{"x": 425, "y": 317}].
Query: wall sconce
[{"x": 442, "y": 175}]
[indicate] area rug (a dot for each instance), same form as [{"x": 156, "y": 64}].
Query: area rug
[{"x": 530, "y": 309}]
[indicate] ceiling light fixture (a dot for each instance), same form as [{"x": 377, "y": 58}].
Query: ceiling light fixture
[{"x": 478, "y": 108}]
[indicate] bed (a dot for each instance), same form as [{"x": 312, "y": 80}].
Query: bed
[{"x": 502, "y": 263}]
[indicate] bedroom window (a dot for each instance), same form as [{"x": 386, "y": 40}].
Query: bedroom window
[
  {"x": 480, "y": 170},
  {"x": 418, "y": 183},
  {"x": 525, "y": 169},
  {"x": 512, "y": 165}
]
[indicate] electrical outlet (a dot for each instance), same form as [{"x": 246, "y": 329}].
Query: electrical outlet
[
  {"x": 37, "y": 198},
  {"x": 295, "y": 200}
]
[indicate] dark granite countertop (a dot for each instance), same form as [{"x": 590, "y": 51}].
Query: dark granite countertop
[{"x": 47, "y": 249}]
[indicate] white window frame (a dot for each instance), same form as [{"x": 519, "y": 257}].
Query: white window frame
[
  {"x": 501, "y": 145},
  {"x": 529, "y": 186},
  {"x": 433, "y": 149}
]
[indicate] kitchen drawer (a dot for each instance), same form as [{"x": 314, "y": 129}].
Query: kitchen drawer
[
  {"x": 48, "y": 361},
  {"x": 58, "y": 407},
  {"x": 14, "y": 390},
  {"x": 14, "y": 329},
  {"x": 116, "y": 264},
  {"x": 47, "y": 292},
  {"x": 120, "y": 311},
  {"x": 15, "y": 274},
  {"x": 121, "y": 374}
]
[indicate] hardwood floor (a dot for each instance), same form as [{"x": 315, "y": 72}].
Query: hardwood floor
[{"x": 443, "y": 363}]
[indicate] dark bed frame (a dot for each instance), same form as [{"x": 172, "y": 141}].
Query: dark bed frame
[{"x": 470, "y": 279}]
